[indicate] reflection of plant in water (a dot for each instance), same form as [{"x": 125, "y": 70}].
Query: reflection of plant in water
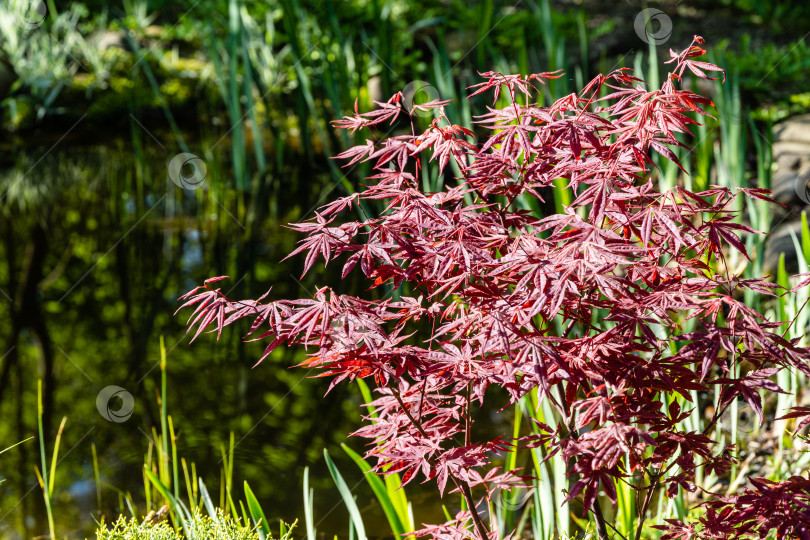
[
  {"x": 42, "y": 58},
  {"x": 37, "y": 184},
  {"x": 111, "y": 238}
]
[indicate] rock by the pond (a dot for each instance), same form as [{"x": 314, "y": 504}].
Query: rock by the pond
[
  {"x": 791, "y": 153},
  {"x": 791, "y": 186},
  {"x": 780, "y": 240},
  {"x": 109, "y": 39}
]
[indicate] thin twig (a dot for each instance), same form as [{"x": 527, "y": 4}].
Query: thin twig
[
  {"x": 462, "y": 486},
  {"x": 601, "y": 528}
]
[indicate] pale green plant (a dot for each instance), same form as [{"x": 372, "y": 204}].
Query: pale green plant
[
  {"x": 138, "y": 16},
  {"x": 219, "y": 527},
  {"x": 41, "y": 55}
]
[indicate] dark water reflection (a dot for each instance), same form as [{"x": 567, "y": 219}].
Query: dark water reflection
[{"x": 98, "y": 244}]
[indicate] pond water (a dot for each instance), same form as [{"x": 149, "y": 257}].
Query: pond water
[{"x": 98, "y": 244}]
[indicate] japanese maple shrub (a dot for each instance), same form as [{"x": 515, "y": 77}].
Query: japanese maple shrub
[{"x": 586, "y": 306}]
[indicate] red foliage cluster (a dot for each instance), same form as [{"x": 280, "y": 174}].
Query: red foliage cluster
[{"x": 621, "y": 269}]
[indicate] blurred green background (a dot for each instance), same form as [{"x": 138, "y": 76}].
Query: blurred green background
[{"x": 98, "y": 242}]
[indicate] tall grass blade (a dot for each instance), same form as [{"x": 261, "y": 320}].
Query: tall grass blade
[
  {"x": 346, "y": 494},
  {"x": 16, "y": 444},
  {"x": 164, "y": 420},
  {"x": 96, "y": 475},
  {"x": 392, "y": 513},
  {"x": 55, "y": 455},
  {"x": 207, "y": 502},
  {"x": 256, "y": 513},
  {"x": 309, "y": 507},
  {"x": 42, "y": 479}
]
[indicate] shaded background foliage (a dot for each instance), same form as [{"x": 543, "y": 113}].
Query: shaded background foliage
[{"x": 98, "y": 242}]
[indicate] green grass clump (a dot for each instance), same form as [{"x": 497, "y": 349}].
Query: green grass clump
[
  {"x": 132, "y": 530},
  {"x": 200, "y": 528}
]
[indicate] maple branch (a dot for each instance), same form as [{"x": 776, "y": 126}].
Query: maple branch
[
  {"x": 655, "y": 478},
  {"x": 422, "y": 396},
  {"x": 615, "y": 530},
  {"x": 600, "y": 520},
  {"x": 407, "y": 412},
  {"x": 597, "y": 510},
  {"x": 608, "y": 523},
  {"x": 642, "y": 516},
  {"x": 483, "y": 534},
  {"x": 462, "y": 486},
  {"x": 467, "y": 420},
  {"x": 568, "y": 328}
]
